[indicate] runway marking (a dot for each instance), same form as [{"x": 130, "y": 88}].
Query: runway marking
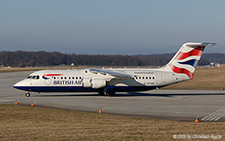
[
  {"x": 215, "y": 116},
  {"x": 3, "y": 100}
]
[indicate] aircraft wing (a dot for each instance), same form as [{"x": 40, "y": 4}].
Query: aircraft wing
[{"x": 109, "y": 72}]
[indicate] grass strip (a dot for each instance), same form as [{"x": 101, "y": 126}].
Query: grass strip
[{"x": 19, "y": 122}]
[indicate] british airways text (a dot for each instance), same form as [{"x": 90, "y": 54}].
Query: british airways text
[{"x": 66, "y": 82}]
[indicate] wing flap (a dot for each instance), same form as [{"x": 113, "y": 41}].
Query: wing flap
[{"x": 109, "y": 72}]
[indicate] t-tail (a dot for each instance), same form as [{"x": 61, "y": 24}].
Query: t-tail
[{"x": 186, "y": 59}]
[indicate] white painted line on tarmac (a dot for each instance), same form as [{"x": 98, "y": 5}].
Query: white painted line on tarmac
[
  {"x": 218, "y": 114},
  {"x": 207, "y": 117},
  {"x": 221, "y": 115},
  {"x": 4, "y": 100},
  {"x": 215, "y": 116}
]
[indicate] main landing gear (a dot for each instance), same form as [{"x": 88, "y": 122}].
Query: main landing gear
[{"x": 107, "y": 92}]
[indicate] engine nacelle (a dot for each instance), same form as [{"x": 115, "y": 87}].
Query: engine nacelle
[
  {"x": 87, "y": 82},
  {"x": 98, "y": 83}
]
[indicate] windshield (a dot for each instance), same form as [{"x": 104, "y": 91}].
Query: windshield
[
  {"x": 33, "y": 77},
  {"x": 28, "y": 77}
]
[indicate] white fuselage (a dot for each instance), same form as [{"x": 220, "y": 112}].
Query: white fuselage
[{"x": 82, "y": 80}]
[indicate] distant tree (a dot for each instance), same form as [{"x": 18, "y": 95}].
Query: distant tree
[{"x": 42, "y": 58}]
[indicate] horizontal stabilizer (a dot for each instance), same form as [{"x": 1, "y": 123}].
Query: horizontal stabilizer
[{"x": 200, "y": 44}]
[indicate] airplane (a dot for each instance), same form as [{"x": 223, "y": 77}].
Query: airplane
[{"x": 109, "y": 81}]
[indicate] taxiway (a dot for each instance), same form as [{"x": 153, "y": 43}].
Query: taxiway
[{"x": 182, "y": 105}]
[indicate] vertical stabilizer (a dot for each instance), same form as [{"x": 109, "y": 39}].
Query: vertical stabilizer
[{"x": 186, "y": 59}]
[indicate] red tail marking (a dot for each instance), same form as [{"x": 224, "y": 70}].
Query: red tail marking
[
  {"x": 195, "y": 52},
  {"x": 182, "y": 70}
]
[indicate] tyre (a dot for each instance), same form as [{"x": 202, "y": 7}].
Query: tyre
[
  {"x": 101, "y": 92},
  {"x": 27, "y": 94},
  {"x": 109, "y": 92}
]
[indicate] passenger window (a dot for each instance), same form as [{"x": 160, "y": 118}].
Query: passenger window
[
  {"x": 72, "y": 77},
  {"x": 65, "y": 77},
  {"x": 146, "y": 77},
  {"x": 149, "y": 77},
  {"x": 37, "y": 77},
  {"x": 61, "y": 77},
  {"x": 76, "y": 77},
  {"x": 143, "y": 77},
  {"x": 69, "y": 77},
  {"x": 54, "y": 77},
  {"x": 79, "y": 77},
  {"x": 153, "y": 77}
]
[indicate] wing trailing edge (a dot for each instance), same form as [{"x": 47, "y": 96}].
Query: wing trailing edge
[{"x": 109, "y": 72}]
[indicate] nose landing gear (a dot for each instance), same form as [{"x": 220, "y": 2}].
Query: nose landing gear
[{"x": 27, "y": 94}]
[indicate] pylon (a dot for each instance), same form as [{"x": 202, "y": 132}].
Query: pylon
[
  {"x": 32, "y": 105},
  {"x": 100, "y": 111},
  {"x": 197, "y": 118},
  {"x": 17, "y": 102}
]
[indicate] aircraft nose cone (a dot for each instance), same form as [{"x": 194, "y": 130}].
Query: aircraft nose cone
[
  {"x": 15, "y": 85},
  {"x": 18, "y": 85},
  {"x": 22, "y": 85}
]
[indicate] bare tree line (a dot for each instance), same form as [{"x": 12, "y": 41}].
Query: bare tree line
[{"x": 42, "y": 58}]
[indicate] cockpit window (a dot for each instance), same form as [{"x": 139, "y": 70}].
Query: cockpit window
[
  {"x": 29, "y": 77},
  {"x": 33, "y": 77}
]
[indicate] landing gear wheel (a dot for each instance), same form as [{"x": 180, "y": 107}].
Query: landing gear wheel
[
  {"x": 101, "y": 92},
  {"x": 27, "y": 94},
  {"x": 106, "y": 94},
  {"x": 109, "y": 92}
]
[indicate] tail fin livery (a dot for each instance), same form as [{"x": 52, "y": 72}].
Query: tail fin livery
[{"x": 186, "y": 59}]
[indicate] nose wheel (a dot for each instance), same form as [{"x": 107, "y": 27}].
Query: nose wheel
[{"x": 27, "y": 94}]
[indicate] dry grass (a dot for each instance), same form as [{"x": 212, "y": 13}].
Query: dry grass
[
  {"x": 35, "y": 123},
  {"x": 207, "y": 78}
]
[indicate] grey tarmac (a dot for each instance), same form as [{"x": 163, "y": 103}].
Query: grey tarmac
[{"x": 182, "y": 105}]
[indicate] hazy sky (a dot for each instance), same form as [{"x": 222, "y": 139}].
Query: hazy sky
[{"x": 110, "y": 26}]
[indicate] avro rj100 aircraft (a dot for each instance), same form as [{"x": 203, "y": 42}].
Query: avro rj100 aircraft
[{"x": 109, "y": 81}]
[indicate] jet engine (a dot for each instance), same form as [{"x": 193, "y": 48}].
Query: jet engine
[
  {"x": 87, "y": 82},
  {"x": 98, "y": 83},
  {"x": 94, "y": 83}
]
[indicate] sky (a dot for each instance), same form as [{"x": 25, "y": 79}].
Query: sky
[{"x": 125, "y": 27}]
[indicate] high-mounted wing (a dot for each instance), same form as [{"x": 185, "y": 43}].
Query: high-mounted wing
[{"x": 112, "y": 73}]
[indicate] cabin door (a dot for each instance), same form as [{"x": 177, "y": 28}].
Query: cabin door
[
  {"x": 48, "y": 79},
  {"x": 158, "y": 78}
]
